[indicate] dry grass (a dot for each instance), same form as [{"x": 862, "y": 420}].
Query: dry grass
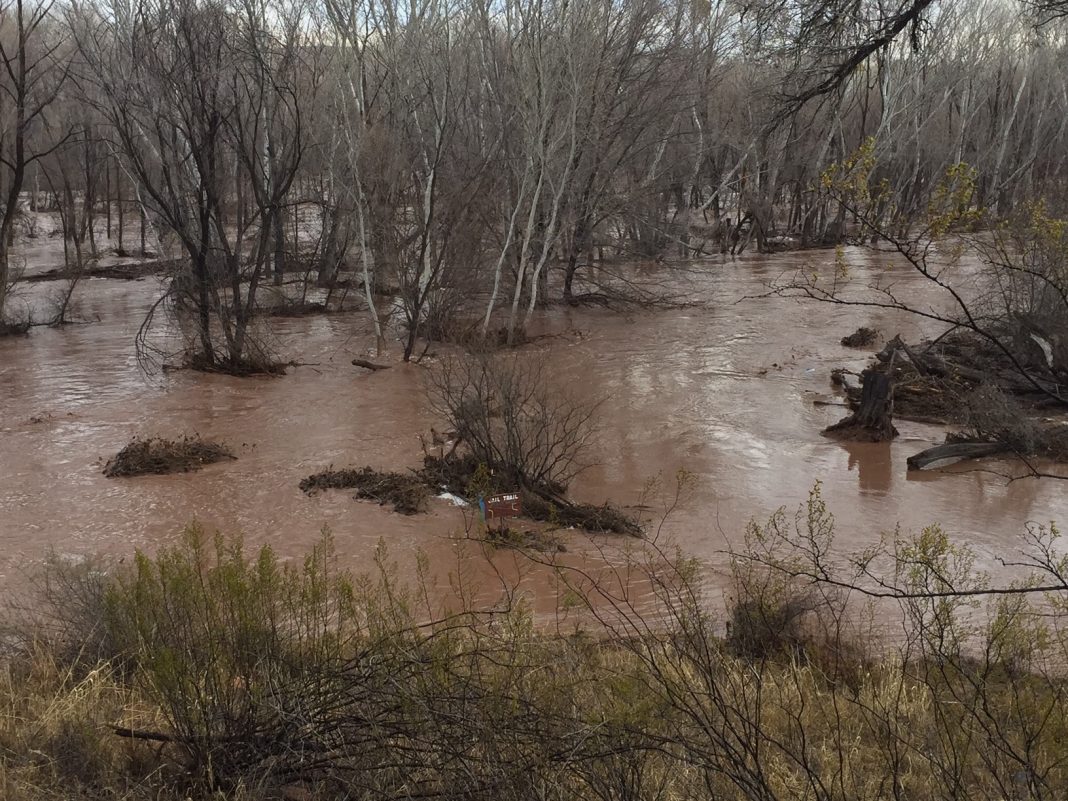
[{"x": 56, "y": 738}]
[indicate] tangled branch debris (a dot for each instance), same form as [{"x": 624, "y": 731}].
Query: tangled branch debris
[
  {"x": 159, "y": 456},
  {"x": 861, "y": 338},
  {"x": 407, "y": 493},
  {"x": 933, "y": 379},
  {"x": 464, "y": 476},
  {"x": 962, "y": 380}
]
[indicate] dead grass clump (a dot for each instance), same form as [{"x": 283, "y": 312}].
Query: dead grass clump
[
  {"x": 407, "y": 493},
  {"x": 158, "y": 456},
  {"x": 55, "y": 732}
]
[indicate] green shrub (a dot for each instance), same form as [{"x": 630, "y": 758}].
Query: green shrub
[{"x": 228, "y": 645}]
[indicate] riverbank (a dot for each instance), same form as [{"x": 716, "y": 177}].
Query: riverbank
[{"x": 216, "y": 672}]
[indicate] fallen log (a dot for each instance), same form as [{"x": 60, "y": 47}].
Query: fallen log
[
  {"x": 956, "y": 451},
  {"x": 369, "y": 365},
  {"x": 141, "y": 734}
]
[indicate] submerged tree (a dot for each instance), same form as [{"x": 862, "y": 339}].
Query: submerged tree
[
  {"x": 32, "y": 73},
  {"x": 206, "y": 104}
]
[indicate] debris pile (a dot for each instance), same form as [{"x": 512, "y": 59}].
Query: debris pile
[
  {"x": 861, "y": 338},
  {"x": 931, "y": 380},
  {"x": 462, "y": 476},
  {"x": 158, "y": 456},
  {"x": 998, "y": 391},
  {"x": 407, "y": 493}
]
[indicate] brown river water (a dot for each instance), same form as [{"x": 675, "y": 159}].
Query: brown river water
[{"x": 724, "y": 391}]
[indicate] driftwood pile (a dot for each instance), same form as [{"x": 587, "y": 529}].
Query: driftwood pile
[
  {"x": 157, "y": 456},
  {"x": 459, "y": 474},
  {"x": 1000, "y": 392},
  {"x": 932, "y": 379},
  {"x": 407, "y": 493}
]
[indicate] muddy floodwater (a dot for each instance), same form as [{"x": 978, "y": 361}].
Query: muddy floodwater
[{"x": 725, "y": 391}]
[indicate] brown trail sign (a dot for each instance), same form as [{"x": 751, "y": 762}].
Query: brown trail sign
[{"x": 499, "y": 507}]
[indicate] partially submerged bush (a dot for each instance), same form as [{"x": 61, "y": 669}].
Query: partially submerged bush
[
  {"x": 63, "y": 613},
  {"x": 157, "y": 455},
  {"x": 507, "y": 412},
  {"x": 20, "y": 328},
  {"x": 256, "y": 364},
  {"x": 407, "y": 493}
]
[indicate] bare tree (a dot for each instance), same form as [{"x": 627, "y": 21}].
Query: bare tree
[
  {"x": 31, "y": 78},
  {"x": 189, "y": 90}
]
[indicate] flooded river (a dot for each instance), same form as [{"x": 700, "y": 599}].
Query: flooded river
[{"x": 724, "y": 391}]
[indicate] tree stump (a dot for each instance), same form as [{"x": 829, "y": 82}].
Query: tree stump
[{"x": 873, "y": 419}]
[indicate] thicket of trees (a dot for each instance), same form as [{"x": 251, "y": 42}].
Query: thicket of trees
[{"x": 442, "y": 154}]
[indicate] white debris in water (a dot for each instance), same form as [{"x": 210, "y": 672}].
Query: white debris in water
[{"x": 455, "y": 500}]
